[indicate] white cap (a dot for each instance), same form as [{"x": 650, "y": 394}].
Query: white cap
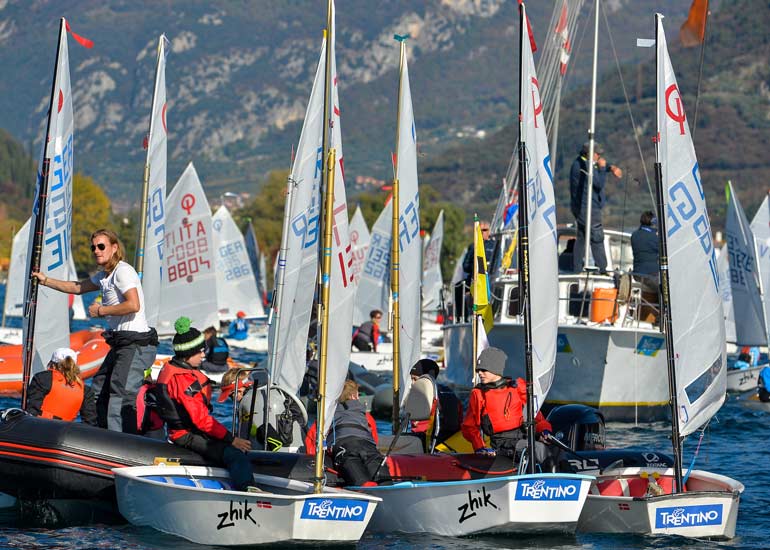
[{"x": 60, "y": 354}]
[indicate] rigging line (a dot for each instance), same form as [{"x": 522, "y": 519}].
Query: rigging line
[{"x": 628, "y": 106}]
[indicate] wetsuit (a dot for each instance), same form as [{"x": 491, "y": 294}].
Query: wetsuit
[{"x": 50, "y": 396}]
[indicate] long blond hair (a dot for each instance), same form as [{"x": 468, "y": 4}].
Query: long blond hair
[
  {"x": 119, "y": 254},
  {"x": 348, "y": 391},
  {"x": 69, "y": 369}
]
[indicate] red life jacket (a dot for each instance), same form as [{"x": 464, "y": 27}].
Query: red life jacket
[
  {"x": 170, "y": 409},
  {"x": 63, "y": 402},
  {"x": 502, "y": 409}
]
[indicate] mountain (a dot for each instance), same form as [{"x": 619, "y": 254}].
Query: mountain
[{"x": 239, "y": 75}]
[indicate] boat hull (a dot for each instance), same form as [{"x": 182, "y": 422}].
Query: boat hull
[
  {"x": 196, "y": 503},
  {"x": 708, "y": 509},
  {"x": 543, "y": 503},
  {"x": 743, "y": 380},
  {"x": 620, "y": 371}
]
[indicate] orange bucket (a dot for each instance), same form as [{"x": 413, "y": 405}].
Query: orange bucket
[{"x": 604, "y": 305}]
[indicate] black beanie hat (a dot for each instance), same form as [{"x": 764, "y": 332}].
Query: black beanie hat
[{"x": 188, "y": 340}]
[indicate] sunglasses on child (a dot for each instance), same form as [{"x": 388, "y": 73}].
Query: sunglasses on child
[{"x": 100, "y": 246}]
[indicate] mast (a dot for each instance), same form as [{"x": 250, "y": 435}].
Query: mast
[
  {"x": 591, "y": 129},
  {"x": 326, "y": 258},
  {"x": 666, "y": 326},
  {"x": 139, "y": 259},
  {"x": 395, "y": 254},
  {"x": 476, "y": 317},
  {"x": 37, "y": 234},
  {"x": 524, "y": 295}
]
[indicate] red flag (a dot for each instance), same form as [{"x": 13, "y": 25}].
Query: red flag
[
  {"x": 529, "y": 31},
  {"x": 562, "y": 32},
  {"x": 693, "y": 30},
  {"x": 85, "y": 42}
]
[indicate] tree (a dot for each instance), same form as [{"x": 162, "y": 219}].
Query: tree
[{"x": 91, "y": 210}]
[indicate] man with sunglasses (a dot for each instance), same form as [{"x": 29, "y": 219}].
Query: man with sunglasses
[
  {"x": 132, "y": 342},
  {"x": 463, "y": 288}
]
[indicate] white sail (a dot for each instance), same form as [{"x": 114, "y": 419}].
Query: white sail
[
  {"x": 17, "y": 270},
  {"x": 342, "y": 291},
  {"x": 432, "y": 281},
  {"x": 723, "y": 267},
  {"x": 152, "y": 275},
  {"x": 409, "y": 240},
  {"x": 297, "y": 260},
  {"x": 190, "y": 282},
  {"x": 78, "y": 309},
  {"x": 698, "y": 329},
  {"x": 544, "y": 271},
  {"x": 760, "y": 226},
  {"x": 52, "y": 317},
  {"x": 374, "y": 286},
  {"x": 256, "y": 261},
  {"x": 750, "y": 327},
  {"x": 359, "y": 240},
  {"x": 236, "y": 285}
]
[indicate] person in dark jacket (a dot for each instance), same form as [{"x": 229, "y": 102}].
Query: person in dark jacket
[
  {"x": 644, "y": 246},
  {"x": 578, "y": 189},
  {"x": 132, "y": 341},
  {"x": 183, "y": 396},
  {"x": 59, "y": 392},
  {"x": 450, "y": 409},
  {"x": 462, "y": 291},
  {"x": 217, "y": 352},
  {"x": 496, "y": 409},
  {"x": 366, "y": 337}
]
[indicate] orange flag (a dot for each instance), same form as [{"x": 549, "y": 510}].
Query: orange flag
[{"x": 693, "y": 30}]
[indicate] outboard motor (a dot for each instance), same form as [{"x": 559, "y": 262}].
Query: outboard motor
[{"x": 579, "y": 427}]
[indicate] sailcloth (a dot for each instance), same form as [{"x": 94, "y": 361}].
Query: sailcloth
[
  {"x": 297, "y": 261},
  {"x": 52, "y": 317},
  {"x": 342, "y": 291},
  {"x": 152, "y": 274},
  {"x": 190, "y": 285},
  {"x": 745, "y": 288},
  {"x": 374, "y": 286},
  {"x": 431, "y": 267},
  {"x": 359, "y": 240},
  {"x": 760, "y": 226},
  {"x": 236, "y": 286},
  {"x": 723, "y": 267},
  {"x": 409, "y": 240},
  {"x": 78, "y": 309},
  {"x": 256, "y": 261},
  {"x": 15, "y": 287},
  {"x": 698, "y": 329},
  {"x": 544, "y": 272}
]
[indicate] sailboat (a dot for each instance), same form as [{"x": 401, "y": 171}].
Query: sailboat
[
  {"x": 524, "y": 502},
  {"x": 746, "y": 291},
  {"x": 671, "y": 501}
]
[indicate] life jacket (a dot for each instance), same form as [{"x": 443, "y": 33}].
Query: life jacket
[
  {"x": 350, "y": 421},
  {"x": 172, "y": 411},
  {"x": 63, "y": 402},
  {"x": 219, "y": 352},
  {"x": 502, "y": 410},
  {"x": 147, "y": 417}
]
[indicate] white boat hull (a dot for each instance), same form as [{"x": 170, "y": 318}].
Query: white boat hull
[
  {"x": 621, "y": 371},
  {"x": 742, "y": 380},
  {"x": 11, "y": 336},
  {"x": 543, "y": 503},
  {"x": 709, "y": 509},
  {"x": 288, "y": 510}
]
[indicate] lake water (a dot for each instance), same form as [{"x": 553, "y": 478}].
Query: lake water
[{"x": 735, "y": 444}]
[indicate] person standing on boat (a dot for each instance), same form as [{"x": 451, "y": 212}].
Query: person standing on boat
[
  {"x": 496, "y": 410},
  {"x": 183, "y": 395},
  {"x": 578, "y": 190},
  {"x": 644, "y": 246},
  {"x": 59, "y": 392},
  {"x": 462, "y": 293},
  {"x": 239, "y": 328},
  {"x": 366, "y": 337},
  {"x": 217, "y": 352},
  {"x": 132, "y": 342}
]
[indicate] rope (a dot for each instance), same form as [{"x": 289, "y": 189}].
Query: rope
[{"x": 695, "y": 456}]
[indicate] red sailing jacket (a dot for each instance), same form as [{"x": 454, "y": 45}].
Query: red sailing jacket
[
  {"x": 184, "y": 402},
  {"x": 497, "y": 409}
]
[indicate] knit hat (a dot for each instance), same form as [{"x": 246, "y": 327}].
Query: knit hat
[
  {"x": 188, "y": 340},
  {"x": 241, "y": 314},
  {"x": 492, "y": 360}
]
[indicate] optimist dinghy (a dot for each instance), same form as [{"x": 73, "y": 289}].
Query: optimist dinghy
[{"x": 198, "y": 504}]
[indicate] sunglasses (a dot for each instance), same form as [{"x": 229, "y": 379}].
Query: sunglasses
[
  {"x": 485, "y": 230},
  {"x": 100, "y": 246}
]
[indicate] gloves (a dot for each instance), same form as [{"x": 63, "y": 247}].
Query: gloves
[
  {"x": 486, "y": 451},
  {"x": 547, "y": 433}
]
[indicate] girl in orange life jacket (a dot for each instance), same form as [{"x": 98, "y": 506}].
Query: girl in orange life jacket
[
  {"x": 183, "y": 395},
  {"x": 496, "y": 409},
  {"x": 59, "y": 392}
]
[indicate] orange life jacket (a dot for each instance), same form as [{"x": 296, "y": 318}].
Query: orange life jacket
[{"x": 63, "y": 402}]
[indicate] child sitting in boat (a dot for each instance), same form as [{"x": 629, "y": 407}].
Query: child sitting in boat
[
  {"x": 217, "y": 352},
  {"x": 59, "y": 392},
  {"x": 239, "y": 328},
  {"x": 183, "y": 396}
]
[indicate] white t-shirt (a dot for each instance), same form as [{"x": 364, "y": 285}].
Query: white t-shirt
[{"x": 114, "y": 286}]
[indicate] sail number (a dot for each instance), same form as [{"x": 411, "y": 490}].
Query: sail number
[
  {"x": 59, "y": 218},
  {"x": 187, "y": 251},
  {"x": 377, "y": 257},
  {"x": 229, "y": 261},
  {"x": 409, "y": 223},
  {"x": 681, "y": 209}
]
